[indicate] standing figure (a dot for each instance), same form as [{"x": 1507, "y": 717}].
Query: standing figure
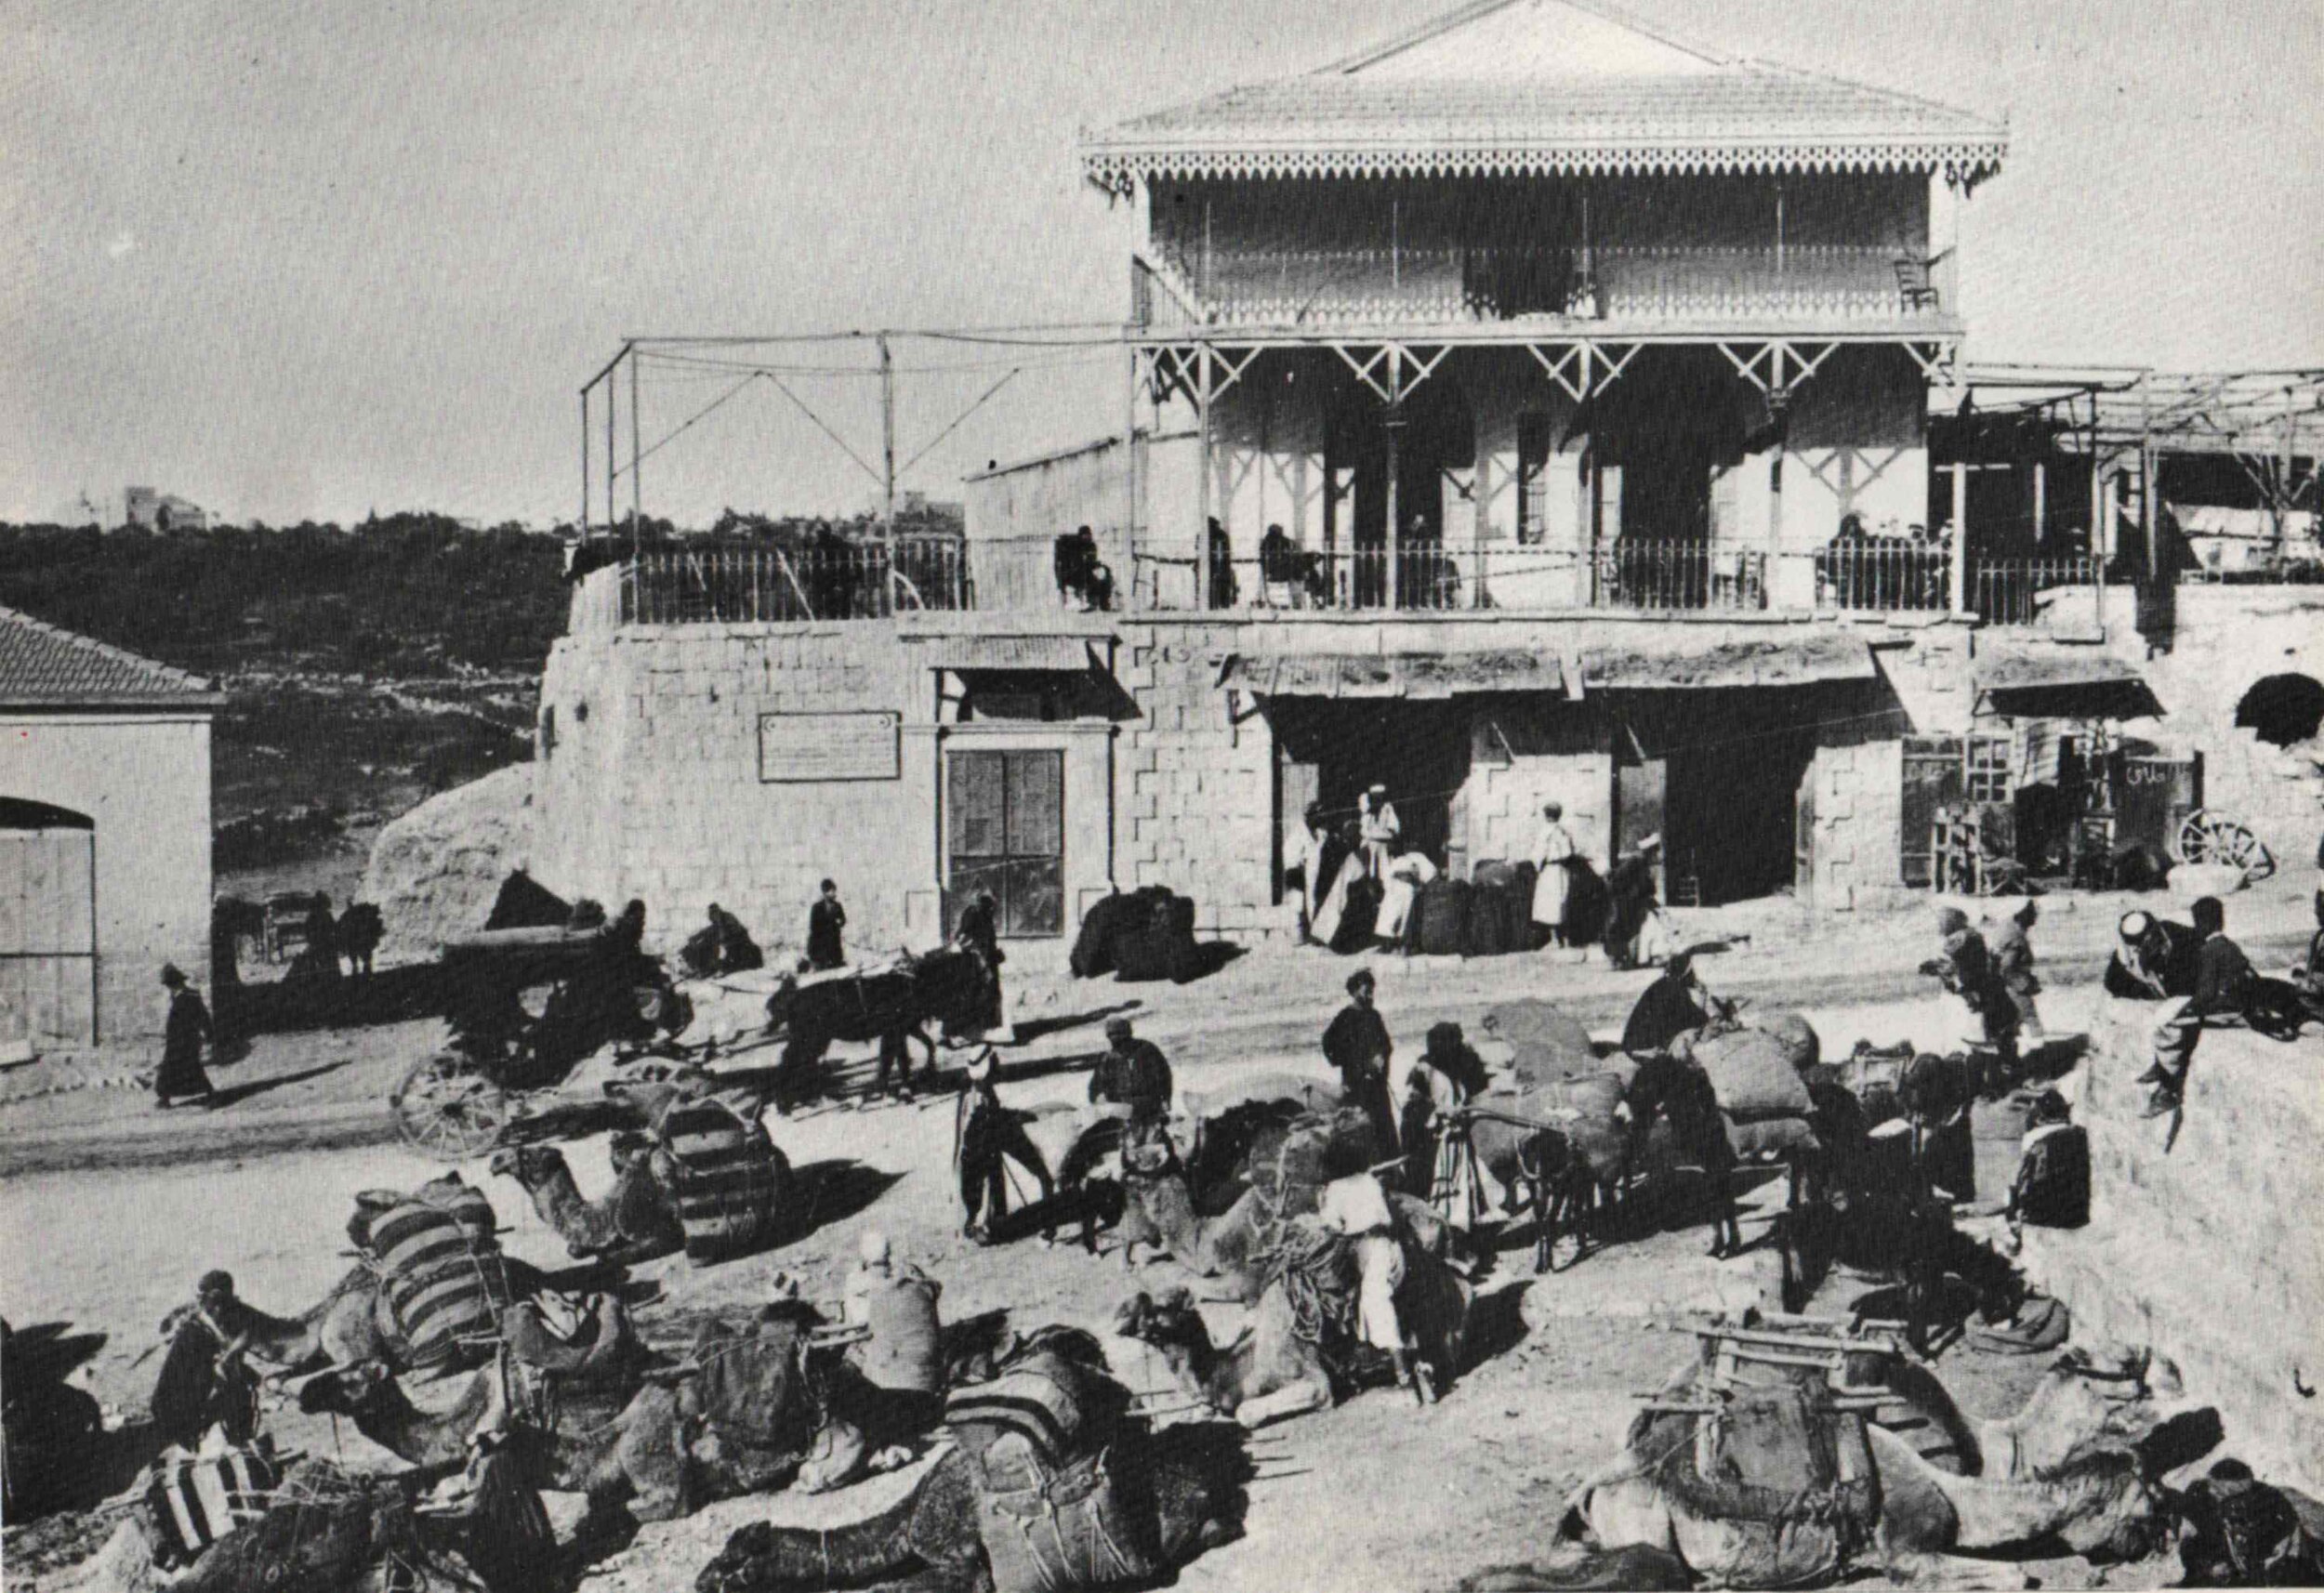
[
  {"x": 1381, "y": 830},
  {"x": 1966, "y": 969},
  {"x": 1224, "y": 590},
  {"x": 979, "y": 932},
  {"x": 1630, "y": 891},
  {"x": 1668, "y": 1007},
  {"x": 320, "y": 958},
  {"x": 989, "y": 1131},
  {"x": 1357, "y": 1046},
  {"x": 1553, "y": 855},
  {"x": 1132, "y": 1074},
  {"x": 361, "y": 931},
  {"x": 1278, "y": 568},
  {"x": 1322, "y": 854},
  {"x": 1447, "y": 1076},
  {"x": 1355, "y": 1203},
  {"x": 183, "y": 1034},
  {"x": 825, "y": 920},
  {"x": 2014, "y": 966}
]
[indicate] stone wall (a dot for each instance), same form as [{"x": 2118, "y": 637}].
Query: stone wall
[{"x": 2208, "y": 1247}]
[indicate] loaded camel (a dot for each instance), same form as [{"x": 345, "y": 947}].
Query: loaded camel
[
  {"x": 1181, "y": 1485},
  {"x": 741, "y": 1417},
  {"x": 2077, "y": 1480}
]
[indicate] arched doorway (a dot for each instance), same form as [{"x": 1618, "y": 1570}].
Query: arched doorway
[
  {"x": 47, "y": 923},
  {"x": 2282, "y": 709}
]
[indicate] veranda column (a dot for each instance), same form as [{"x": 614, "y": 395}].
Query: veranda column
[
  {"x": 1960, "y": 536},
  {"x": 1202, "y": 495},
  {"x": 1393, "y": 541}
]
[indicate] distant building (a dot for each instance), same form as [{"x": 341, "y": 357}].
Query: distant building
[
  {"x": 156, "y": 510},
  {"x": 105, "y": 834}
]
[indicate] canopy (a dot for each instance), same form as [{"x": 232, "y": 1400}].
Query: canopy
[
  {"x": 2083, "y": 684},
  {"x": 1420, "y": 675},
  {"x": 1668, "y": 659},
  {"x": 1066, "y": 652}
]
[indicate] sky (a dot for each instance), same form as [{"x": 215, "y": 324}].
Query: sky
[{"x": 312, "y": 258}]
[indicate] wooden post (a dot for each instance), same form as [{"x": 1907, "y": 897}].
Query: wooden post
[
  {"x": 886, "y": 600},
  {"x": 1960, "y": 536},
  {"x": 610, "y": 471},
  {"x": 1202, "y": 531},
  {"x": 1393, "y": 545},
  {"x": 585, "y": 464},
  {"x": 1129, "y": 476},
  {"x": 2040, "y": 504},
  {"x": 637, "y": 493}
]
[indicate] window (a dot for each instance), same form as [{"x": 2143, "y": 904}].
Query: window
[
  {"x": 1006, "y": 834},
  {"x": 1987, "y": 775}
]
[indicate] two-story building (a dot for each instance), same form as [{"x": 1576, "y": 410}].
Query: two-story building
[{"x": 1529, "y": 407}]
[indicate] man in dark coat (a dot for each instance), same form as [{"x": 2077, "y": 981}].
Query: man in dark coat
[
  {"x": 1630, "y": 889},
  {"x": 2052, "y": 1189},
  {"x": 2227, "y": 986},
  {"x": 980, "y": 932},
  {"x": 825, "y": 920},
  {"x": 2243, "y": 1533},
  {"x": 988, "y": 1132},
  {"x": 1357, "y": 1046},
  {"x": 2014, "y": 967},
  {"x": 1666, "y": 1009},
  {"x": 1134, "y": 1072},
  {"x": 1966, "y": 968},
  {"x": 187, "y": 1029}
]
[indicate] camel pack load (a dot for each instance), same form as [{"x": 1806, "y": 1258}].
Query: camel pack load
[
  {"x": 193, "y": 1500},
  {"x": 724, "y": 1172},
  {"x": 437, "y": 1252},
  {"x": 1050, "y": 1447}
]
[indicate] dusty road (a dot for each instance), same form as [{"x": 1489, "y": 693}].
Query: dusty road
[{"x": 1374, "y": 1493}]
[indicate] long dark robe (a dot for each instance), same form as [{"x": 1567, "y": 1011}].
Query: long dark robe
[
  {"x": 1357, "y": 1046},
  {"x": 189, "y": 1025},
  {"x": 825, "y": 920},
  {"x": 1631, "y": 892}
]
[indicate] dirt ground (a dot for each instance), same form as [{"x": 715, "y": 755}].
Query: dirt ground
[{"x": 1375, "y": 1494}]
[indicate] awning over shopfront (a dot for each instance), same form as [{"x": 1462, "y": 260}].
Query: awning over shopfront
[
  {"x": 2084, "y": 684},
  {"x": 1408, "y": 675},
  {"x": 1015, "y": 652},
  {"x": 1661, "y": 661}
]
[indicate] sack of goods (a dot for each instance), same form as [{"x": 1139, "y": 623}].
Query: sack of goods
[
  {"x": 1159, "y": 941},
  {"x": 1500, "y": 908},
  {"x": 1440, "y": 921},
  {"x": 732, "y": 1184},
  {"x": 1752, "y": 1075},
  {"x": 1874, "y": 1074},
  {"x": 448, "y": 1291},
  {"x": 1583, "y": 1108},
  {"x": 1547, "y": 1042},
  {"x": 1357, "y": 918},
  {"x": 1048, "y": 1444},
  {"x": 1291, "y": 1165},
  {"x": 1771, "y": 1137},
  {"x": 1107, "y": 918},
  {"x": 906, "y": 1349},
  {"x": 470, "y": 1205},
  {"x": 193, "y": 1500}
]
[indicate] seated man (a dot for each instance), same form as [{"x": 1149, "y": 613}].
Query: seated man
[
  {"x": 2242, "y": 1532},
  {"x": 2155, "y": 960},
  {"x": 2052, "y": 1189},
  {"x": 2227, "y": 986},
  {"x": 1666, "y": 1009}
]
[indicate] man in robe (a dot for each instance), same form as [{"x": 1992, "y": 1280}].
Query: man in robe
[
  {"x": 1666, "y": 1009},
  {"x": 1553, "y": 855},
  {"x": 825, "y": 922},
  {"x": 1357, "y": 1046},
  {"x": 181, "y": 1075}
]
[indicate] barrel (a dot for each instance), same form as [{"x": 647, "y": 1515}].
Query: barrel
[
  {"x": 728, "y": 1182},
  {"x": 1442, "y": 914},
  {"x": 443, "y": 1289}
]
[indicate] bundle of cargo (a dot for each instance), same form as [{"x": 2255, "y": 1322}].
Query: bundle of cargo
[
  {"x": 1109, "y": 918},
  {"x": 1439, "y": 925},
  {"x": 1500, "y": 908},
  {"x": 1873, "y": 1074},
  {"x": 437, "y": 1254},
  {"x": 1765, "y": 1101},
  {"x": 1290, "y": 1165},
  {"x": 1546, "y": 1042},
  {"x": 1157, "y": 943}
]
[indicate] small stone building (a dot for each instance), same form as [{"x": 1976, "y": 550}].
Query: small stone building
[{"x": 105, "y": 835}]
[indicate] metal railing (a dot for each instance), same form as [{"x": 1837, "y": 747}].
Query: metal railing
[
  {"x": 1259, "y": 284},
  {"x": 1886, "y": 575},
  {"x": 1634, "y": 572},
  {"x": 2016, "y": 591},
  {"x": 769, "y": 586}
]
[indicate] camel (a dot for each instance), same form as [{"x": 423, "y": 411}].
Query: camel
[
  {"x": 1182, "y": 1484},
  {"x": 2093, "y": 1496},
  {"x": 637, "y": 1222},
  {"x": 654, "y": 1444},
  {"x": 1273, "y": 1373}
]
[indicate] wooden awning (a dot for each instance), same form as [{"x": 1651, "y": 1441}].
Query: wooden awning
[
  {"x": 1072, "y": 653},
  {"x": 1666, "y": 659},
  {"x": 2080, "y": 684},
  {"x": 1410, "y": 675}
]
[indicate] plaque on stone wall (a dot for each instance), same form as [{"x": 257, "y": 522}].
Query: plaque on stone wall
[{"x": 806, "y": 747}]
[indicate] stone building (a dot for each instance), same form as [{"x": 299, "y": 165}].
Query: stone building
[
  {"x": 105, "y": 835},
  {"x": 1587, "y": 377}
]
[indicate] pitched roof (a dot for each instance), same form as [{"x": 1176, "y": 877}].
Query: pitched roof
[
  {"x": 1531, "y": 87},
  {"x": 41, "y": 665}
]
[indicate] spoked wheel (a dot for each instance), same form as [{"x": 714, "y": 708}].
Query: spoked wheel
[
  {"x": 2206, "y": 836},
  {"x": 1561, "y": 1240},
  {"x": 447, "y": 1107}
]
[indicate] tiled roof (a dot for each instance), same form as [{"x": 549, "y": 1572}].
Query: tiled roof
[
  {"x": 1590, "y": 95},
  {"x": 41, "y": 666}
]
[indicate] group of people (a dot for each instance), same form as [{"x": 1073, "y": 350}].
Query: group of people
[{"x": 2207, "y": 980}]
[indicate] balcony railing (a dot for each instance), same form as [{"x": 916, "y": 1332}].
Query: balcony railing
[
  {"x": 2019, "y": 591},
  {"x": 1885, "y": 575},
  {"x": 765, "y": 585},
  {"x": 1637, "y": 575},
  {"x": 1447, "y": 284}
]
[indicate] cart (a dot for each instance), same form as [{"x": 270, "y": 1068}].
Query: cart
[{"x": 525, "y": 1007}]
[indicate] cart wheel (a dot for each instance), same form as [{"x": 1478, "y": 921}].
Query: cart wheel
[
  {"x": 2206, "y": 837},
  {"x": 449, "y": 1109}
]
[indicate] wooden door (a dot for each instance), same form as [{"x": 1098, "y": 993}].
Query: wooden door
[
  {"x": 48, "y": 935},
  {"x": 1006, "y": 834},
  {"x": 1933, "y": 778},
  {"x": 1297, "y": 785}
]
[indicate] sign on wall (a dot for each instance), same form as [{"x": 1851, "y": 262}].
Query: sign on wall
[{"x": 802, "y": 747}]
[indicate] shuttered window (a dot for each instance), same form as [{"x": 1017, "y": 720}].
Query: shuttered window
[{"x": 1007, "y": 835}]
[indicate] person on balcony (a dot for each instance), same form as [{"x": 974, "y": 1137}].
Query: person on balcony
[
  {"x": 1224, "y": 589},
  {"x": 1278, "y": 570},
  {"x": 1079, "y": 575},
  {"x": 829, "y": 577}
]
